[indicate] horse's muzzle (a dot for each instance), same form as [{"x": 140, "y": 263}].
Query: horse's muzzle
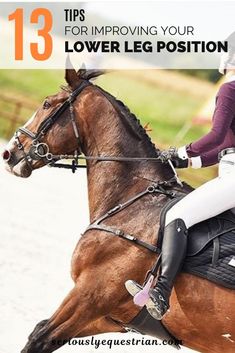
[
  {"x": 16, "y": 164},
  {"x": 22, "y": 169}
]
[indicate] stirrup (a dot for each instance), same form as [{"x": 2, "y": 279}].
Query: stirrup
[
  {"x": 157, "y": 307},
  {"x": 141, "y": 296},
  {"x": 133, "y": 287}
]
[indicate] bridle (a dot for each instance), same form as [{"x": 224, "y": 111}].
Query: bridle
[{"x": 40, "y": 150}]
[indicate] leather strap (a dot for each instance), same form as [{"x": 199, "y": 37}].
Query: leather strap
[
  {"x": 46, "y": 124},
  {"x": 120, "y": 233},
  {"x": 27, "y": 132},
  {"x": 216, "y": 248}
]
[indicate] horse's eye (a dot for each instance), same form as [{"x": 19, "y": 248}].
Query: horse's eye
[{"x": 46, "y": 105}]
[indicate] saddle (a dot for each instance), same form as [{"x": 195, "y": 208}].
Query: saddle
[{"x": 211, "y": 247}]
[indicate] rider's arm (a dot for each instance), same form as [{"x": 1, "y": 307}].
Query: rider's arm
[
  {"x": 223, "y": 116},
  {"x": 205, "y": 160},
  {"x": 211, "y": 158}
]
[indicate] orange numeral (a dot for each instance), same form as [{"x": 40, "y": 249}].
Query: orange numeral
[
  {"x": 18, "y": 17},
  {"x": 44, "y": 32}
]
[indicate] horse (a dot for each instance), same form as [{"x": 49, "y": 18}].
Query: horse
[{"x": 84, "y": 118}]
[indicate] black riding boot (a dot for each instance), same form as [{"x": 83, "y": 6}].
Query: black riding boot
[{"x": 173, "y": 253}]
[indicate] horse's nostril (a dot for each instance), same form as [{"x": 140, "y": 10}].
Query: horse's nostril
[{"x": 6, "y": 155}]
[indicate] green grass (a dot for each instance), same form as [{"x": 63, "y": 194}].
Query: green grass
[{"x": 31, "y": 84}]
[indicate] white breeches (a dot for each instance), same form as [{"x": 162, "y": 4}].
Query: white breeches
[{"x": 210, "y": 199}]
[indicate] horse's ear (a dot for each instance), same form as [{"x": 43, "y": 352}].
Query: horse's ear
[
  {"x": 82, "y": 71},
  {"x": 85, "y": 74},
  {"x": 71, "y": 76},
  {"x": 83, "y": 66},
  {"x": 89, "y": 74}
]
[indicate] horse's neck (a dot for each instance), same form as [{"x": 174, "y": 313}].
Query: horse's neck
[{"x": 106, "y": 132}]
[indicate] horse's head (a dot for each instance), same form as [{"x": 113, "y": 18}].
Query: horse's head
[{"x": 52, "y": 129}]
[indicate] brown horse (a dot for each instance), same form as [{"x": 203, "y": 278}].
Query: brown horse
[{"x": 202, "y": 314}]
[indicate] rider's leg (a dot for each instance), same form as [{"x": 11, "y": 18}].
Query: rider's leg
[
  {"x": 207, "y": 201},
  {"x": 173, "y": 253}
]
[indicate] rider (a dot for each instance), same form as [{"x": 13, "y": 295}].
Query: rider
[{"x": 208, "y": 200}]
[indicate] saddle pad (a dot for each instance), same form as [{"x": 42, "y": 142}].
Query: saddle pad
[{"x": 221, "y": 272}]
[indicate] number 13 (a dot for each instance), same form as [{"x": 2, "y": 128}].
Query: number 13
[{"x": 18, "y": 17}]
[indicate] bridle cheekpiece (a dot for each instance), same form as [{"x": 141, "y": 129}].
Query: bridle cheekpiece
[{"x": 40, "y": 150}]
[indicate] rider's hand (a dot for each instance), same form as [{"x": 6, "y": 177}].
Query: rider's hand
[
  {"x": 178, "y": 157},
  {"x": 180, "y": 163}
]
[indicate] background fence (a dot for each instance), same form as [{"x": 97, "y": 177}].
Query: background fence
[{"x": 14, "y": 112}]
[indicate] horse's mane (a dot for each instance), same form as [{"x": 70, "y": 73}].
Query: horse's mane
[{"x": 132, "y": 122}]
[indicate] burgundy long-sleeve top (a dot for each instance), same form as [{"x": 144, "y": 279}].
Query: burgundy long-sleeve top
[{"x": 222, "y": 134}]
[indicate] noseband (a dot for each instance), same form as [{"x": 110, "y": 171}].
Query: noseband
[{"x": 40, "y": 150}]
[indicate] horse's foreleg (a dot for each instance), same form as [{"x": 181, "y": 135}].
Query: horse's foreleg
[
  {"x": 76, "y": 317},
  {"x": 102, "y": 325},
  {"x": 67, "y": 321}
]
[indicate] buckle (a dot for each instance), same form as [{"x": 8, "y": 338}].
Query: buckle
[
  {"x": 225, "y": 151},
  {"x": 131, "y": 330}
]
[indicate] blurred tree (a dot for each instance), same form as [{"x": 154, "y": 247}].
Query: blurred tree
[{"x": 211, "y": 75}]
